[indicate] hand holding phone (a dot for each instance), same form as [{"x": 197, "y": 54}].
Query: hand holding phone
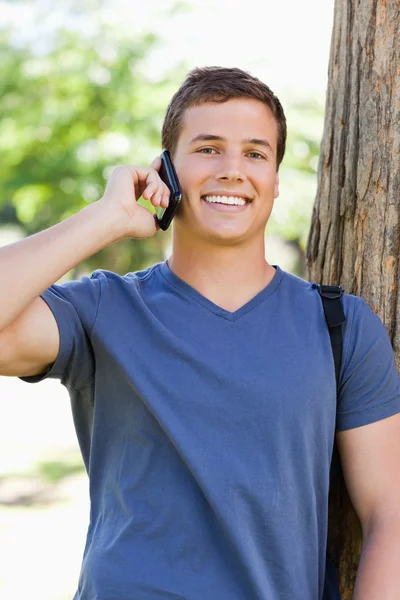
[{"x": 168, "y": 175}]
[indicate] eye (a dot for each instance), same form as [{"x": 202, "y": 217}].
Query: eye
[
  {"x": 256, "y": 155},
  {"x": 207, "y": 150}
]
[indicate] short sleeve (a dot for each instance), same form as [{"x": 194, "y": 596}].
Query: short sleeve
[
  {"x": 74, "y": 305},
  {"x": 369, "y": 384}
]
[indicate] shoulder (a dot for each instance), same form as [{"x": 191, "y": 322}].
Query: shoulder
[
  {"x": 356, "y": 309},
  {"x": 298, "y": 291},
  {"x": 297, "y": 283},
  {"x": 110, "y": 280},
  {"x": 360, "y": 320},
  {"x": 90, "y": 291},
  {"x": 362, "y": 323},
  {"x": 130, "y": 277},
  {"x": 302, "y": 299}
]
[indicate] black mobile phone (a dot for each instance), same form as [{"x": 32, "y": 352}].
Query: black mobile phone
[{"x": 168, "y": 176}]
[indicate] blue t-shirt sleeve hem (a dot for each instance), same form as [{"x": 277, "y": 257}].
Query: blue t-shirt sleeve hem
[
  {"x": 57, "y": 369},
  {"x": 368, "y": 415}
]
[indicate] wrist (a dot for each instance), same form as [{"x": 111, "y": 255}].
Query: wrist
[{"x": 109, "y": 221}]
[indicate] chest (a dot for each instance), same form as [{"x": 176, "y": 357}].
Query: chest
[{"x": 215, "y": 377}]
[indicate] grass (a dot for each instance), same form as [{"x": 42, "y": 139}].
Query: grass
[{"x": 53, "y": 471}]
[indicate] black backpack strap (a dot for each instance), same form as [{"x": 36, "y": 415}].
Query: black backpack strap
[{"x": 331, "y": 296}]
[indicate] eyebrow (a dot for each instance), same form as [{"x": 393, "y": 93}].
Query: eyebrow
[{"x": 208, "y": 137}]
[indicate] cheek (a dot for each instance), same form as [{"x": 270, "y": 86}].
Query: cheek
[
  {"x": 191, "y": 175},
  {"x": 269, "y": 180}
]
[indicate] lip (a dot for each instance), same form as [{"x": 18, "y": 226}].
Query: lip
[
  {"x": 230, "y": 208},
  {"x": 228, "y": 193}
]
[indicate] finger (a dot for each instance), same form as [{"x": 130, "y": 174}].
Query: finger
[
  {"x": 156, "y": 163},
  {"x": 150, "y": 190},
  {"x": 164, "y": 202},
  {"x": 146, "y": 177},
  {"x": 156, "y": 198},
  {"x": 165, "y": 199},
  {"x": 165, "y": 194}
]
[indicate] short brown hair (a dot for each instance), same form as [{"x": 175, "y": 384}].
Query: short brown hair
[{"x": 219, "y": 84}]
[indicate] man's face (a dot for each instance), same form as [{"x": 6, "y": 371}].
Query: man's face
[{"x": 226, "y": 150}]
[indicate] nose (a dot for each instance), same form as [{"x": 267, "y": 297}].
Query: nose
[{"x": 230, "y": 169}]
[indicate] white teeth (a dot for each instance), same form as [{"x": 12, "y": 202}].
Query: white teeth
[{"x": 226, "y": 200}]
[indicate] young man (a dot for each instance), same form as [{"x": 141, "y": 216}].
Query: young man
[{"x": 203, "y": 388}]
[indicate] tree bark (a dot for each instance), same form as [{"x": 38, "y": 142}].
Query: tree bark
[{"x": 354, "y": 239}]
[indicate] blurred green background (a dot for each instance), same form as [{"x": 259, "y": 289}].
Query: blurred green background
[
  {"x": 79, "y": 102},
  {"x": 84, "y": 87}
]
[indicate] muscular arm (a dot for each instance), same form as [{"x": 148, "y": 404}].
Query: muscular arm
[{"x": 370, "y": 458}]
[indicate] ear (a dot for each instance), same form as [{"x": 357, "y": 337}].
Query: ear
[{"x": 276, "y": 187}]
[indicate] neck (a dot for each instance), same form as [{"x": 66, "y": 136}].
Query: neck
[{"x": 229, "y": 276}]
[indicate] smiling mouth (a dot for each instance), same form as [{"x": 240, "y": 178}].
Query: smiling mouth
[{"x": 225, "y": 200}]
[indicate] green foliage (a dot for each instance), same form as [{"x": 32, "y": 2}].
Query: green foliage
[
  {"x": 75, "y": 105},
  {"x": 68, "y": 115}
]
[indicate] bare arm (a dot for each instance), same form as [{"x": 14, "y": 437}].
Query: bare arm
[
  {"x": 370, "y": 457},
  {"x": 30, "y": 266},
  {"x": 29, "y": 338}
]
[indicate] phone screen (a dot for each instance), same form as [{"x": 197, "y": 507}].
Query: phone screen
[{"x": 169, "y": 177}]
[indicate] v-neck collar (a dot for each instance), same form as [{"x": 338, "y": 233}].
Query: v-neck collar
[{"x": 193, "y": 294}]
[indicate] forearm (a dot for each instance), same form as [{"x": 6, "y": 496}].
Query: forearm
[
  {"x": 30, "y": 266},
  {"x": 378, "y": 576}
]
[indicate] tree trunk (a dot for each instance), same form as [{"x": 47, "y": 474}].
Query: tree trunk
[{"x": 355, "y": 231}]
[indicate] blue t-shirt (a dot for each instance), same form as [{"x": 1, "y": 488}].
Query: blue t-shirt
[{"x": 207, "y": 434}]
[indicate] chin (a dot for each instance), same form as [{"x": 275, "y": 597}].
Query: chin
[
  {"x": 211, "y": 232},
  {"x": 226, "y": 237}
]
